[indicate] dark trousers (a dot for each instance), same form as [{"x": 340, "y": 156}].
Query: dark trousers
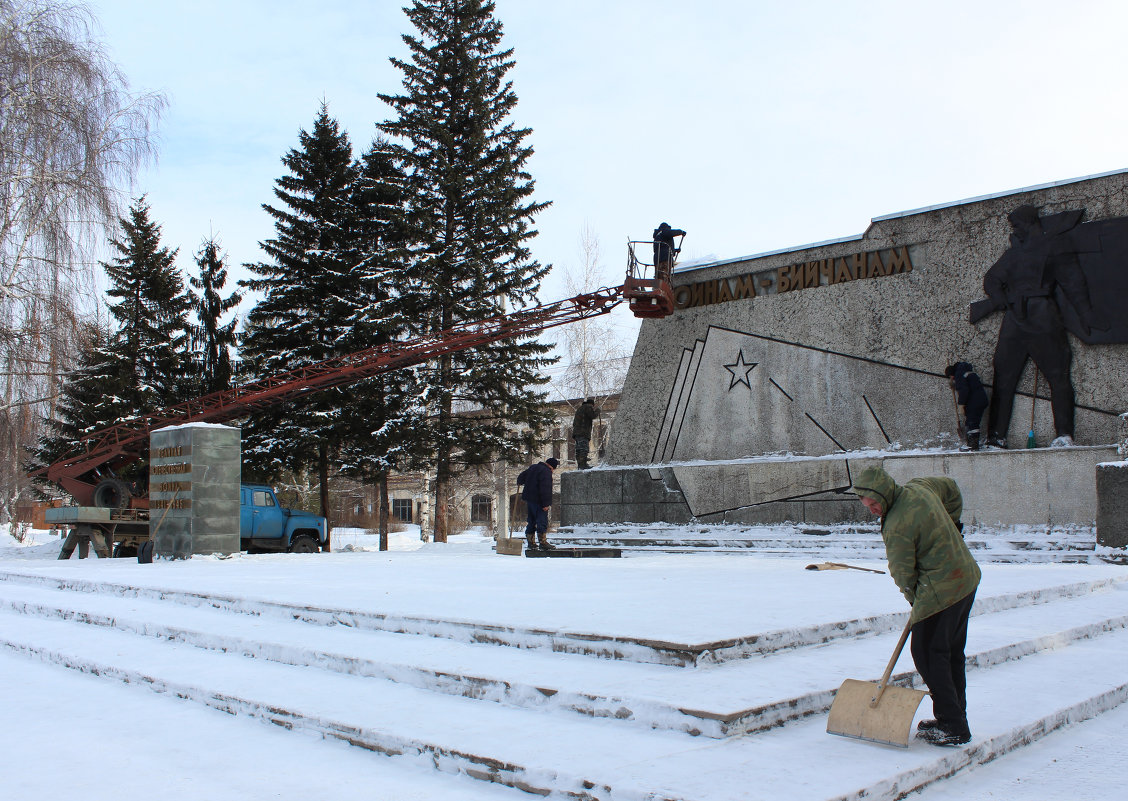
[
  {"x": 1051, "y": 354},
  {"x": 938, "y": 652},
  {"x": 582, "y": 448},
  {"x": 973, "y": 413},
  {"x": 538, "y": 520}
]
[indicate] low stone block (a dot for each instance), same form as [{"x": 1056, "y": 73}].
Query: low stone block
[
  {"x": 592, "y": 486},
  {"x": 640, "y": 486},
  {"x": 575, "y": 514},
  {"x": 1112, "y": 504},
  {"x": 676, "y": 513}
]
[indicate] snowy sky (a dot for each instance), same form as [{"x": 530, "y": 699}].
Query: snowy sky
[{"x": 755, "y": 126}]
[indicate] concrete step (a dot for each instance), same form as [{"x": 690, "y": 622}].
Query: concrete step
[
  {"x": 735, "y": 698},
  {"x": 586, "y": 643},
  {"x": 543, "y": 751}
]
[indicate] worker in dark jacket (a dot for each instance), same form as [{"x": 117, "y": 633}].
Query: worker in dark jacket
[
  {"x": 581, "y": 432},
  {"x": 537, "y": 495},
  {"x": 937, "y": 574},
  {"x": 970, "y": 397},
  {"x": 664, "y": 250}
]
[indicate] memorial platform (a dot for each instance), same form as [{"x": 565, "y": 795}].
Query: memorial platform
[{"x": 681, "y": 677}]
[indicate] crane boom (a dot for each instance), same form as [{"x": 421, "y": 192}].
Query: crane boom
[{"x": 103, "y": 452}]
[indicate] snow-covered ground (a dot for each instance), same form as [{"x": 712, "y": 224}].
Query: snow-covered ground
[{"x": 68, "y": 627}]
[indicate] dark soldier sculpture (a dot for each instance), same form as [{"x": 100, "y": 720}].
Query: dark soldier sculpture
[{"x": 1040, "y": 266}]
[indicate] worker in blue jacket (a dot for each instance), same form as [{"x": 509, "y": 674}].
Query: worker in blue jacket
[{"x": 537, "y": 495}]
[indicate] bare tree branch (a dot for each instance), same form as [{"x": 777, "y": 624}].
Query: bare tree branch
[{"x": 72, "y": 137}]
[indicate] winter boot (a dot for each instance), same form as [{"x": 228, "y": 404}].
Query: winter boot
[
  {"x": 945, "y": 735},
  {"x": 927, "y": 725},
  {"x": 532, "y": 542},
  {"x": 545, "y": 545},
  {"x": 973, "y": 440}
]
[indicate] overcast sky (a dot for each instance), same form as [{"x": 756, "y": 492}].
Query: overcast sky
[{"x": 753, "y": 125}]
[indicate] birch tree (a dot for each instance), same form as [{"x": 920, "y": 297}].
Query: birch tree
[
  {"x": 594, "y": 354},
  {"x": 72, "y": 134}
]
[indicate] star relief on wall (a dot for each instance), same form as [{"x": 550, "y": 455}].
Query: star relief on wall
[{"x": 740, "y": 370}]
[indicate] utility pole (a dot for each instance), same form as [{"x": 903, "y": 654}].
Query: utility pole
[
  {"x": 501, "y": 501},
  {"x": 501, "y": 485}
]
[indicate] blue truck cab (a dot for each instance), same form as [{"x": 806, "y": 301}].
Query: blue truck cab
[{"x": 264, "y": 525}]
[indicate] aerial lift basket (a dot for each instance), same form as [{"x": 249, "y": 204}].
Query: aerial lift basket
[{"x": 649, "y": 294}]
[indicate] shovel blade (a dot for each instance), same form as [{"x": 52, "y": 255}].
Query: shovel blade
[{"x": 890, "y": 722}]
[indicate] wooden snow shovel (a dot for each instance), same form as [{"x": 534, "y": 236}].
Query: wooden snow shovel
[
  {"x": 876, "y": 712},
  {"x": 841, "y": 566}
]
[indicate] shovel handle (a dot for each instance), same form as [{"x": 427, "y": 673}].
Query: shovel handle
[
  {"x": 893, "y": 661},
  {"x": 855, "y": 567}
]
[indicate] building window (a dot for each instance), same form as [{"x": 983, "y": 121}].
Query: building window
[
  {"x": 481, "y": 507},
  {"x": 401, "y": 509}
]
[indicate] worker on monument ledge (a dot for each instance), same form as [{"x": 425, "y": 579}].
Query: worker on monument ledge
[{"x": 581, "y": 432}]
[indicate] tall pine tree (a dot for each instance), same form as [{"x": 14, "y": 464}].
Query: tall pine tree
[
  {"x": 149, "y": 303},
  {"x": 384, "y": 414},
  {"x": 303, "y": 315},
  {"x": 469, "y": 219},
  {"x": 211, "y": 338}
]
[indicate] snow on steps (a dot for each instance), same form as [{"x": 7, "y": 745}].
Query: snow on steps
[
  {"x": 567, "y": 755},
  {"x": 556, "y": 641},
  {"x": 1073, "y": 544},
  {"x": 736, "y": 700}
]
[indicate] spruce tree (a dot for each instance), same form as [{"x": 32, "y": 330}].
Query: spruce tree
[
  {"x": 149, "y": 303},
  {"x": 384, "y": 415},
  {"x": 303, "y": 315},
  {"x": 212, "y": 339},
  {"x": 469, "y": 217},
  {"x": 89, "y": 400}
]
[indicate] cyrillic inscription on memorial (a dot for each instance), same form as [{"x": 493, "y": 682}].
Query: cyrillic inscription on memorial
[{"x": 794, "y": 277}]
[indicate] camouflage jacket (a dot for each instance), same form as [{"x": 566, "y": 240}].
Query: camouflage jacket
[
  {"x": 581, "y": 423},
  {"x": 928, "y": 558}
]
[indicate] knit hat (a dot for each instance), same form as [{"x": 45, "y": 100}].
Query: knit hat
[{"x": 553, "y": 463}]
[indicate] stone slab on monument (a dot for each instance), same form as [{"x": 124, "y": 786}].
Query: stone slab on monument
[
  {"x": 194, "y": 479},
  {"x": 1042, "y": 486}
]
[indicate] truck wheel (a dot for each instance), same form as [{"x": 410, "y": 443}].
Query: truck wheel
[
  {"x": 303, "y": 544},
  {"x": 124, "y": 551},
  {"x": 112, "y": 493}
]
